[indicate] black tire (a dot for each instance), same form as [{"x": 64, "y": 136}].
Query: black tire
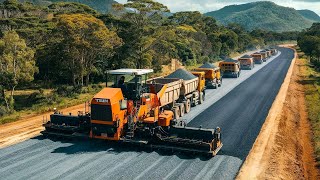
[
  {"x": 204, "y": 96},
  {"x": 219, "y": 85},
  {"x": 187, "y": 106},
  {"x": 215, "y": 86}
]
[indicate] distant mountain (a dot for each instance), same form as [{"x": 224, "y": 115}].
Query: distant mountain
[
  {"x": 263, "y": 15},
  {"x": 310, "y": 15},
  {"x": 102, "y": 6}
]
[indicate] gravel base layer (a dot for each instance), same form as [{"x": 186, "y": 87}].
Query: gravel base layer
[
  {"x": 181, "y": 74},
  {"x": 239, "y": 107}
]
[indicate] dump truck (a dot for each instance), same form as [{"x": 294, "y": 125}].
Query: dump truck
[
  {"x": 274, "y": 51},
  {"x": 230, "y": 68},
  {"x": 186, "y": 90},
  {"x": 246, "y": 62},
  {"x": 264, "y": 55},
  {"x": 134, "y": 111},
  {"x": 269, "y": 53},
  {"x": 257, "y": 57},
  {"x": 212, "y": 75}
]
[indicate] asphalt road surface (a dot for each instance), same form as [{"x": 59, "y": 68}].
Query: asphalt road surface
[{"x": 239, "y": 107}]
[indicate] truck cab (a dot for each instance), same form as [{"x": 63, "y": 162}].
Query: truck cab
[
  {"x": 257, "y": 57},
  {"x": 201, "y": 80},
  {"x": 269, "y": 53},
  {"x": 230, "y": 68},
  {"x": 212, "y": 75},
  {"x": 274, "y": 51},
  {"x": 264, "y": 55},
  {"x": 246, "y": 62}
]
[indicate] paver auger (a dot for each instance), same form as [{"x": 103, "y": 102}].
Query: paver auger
[{"x": 140, "y": 111}]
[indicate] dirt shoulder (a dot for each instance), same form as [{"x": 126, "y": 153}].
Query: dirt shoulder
[
  {"x": 12, "y": 133},
  {"x": 284, "y": 149}
]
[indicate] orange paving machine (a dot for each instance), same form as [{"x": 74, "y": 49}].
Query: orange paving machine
[{"x": 139, "y": 111}]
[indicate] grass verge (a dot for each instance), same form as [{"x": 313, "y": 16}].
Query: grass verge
[
  {"x": 311, "y": 82},
  {"x": 32, "y": 102}
]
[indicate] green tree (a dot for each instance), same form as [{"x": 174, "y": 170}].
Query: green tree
[
  {"x": 17, "y": 64},
  {"x": 309, "y": 42},
  {"x": 83, "y": 41},
  {"x": 144, "y": 15}
]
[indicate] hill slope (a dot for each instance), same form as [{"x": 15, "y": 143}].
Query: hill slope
[
  {"x": 310, "y": 15},
  {"x": 263, "y": 15},
  {"x": 102, "y": 6}
]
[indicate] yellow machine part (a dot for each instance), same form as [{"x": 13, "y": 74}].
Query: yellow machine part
[
  {"x": 201, "y": 80},
  {"x": 110, "y": 97},
  {"x": 209, "y": 73},
  {"x": 165, "y": 118},
  {"x": 229, "y": 66}
]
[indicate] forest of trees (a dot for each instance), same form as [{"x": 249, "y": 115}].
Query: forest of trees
[
  {"x": 70, "y": 43},
  {"x": 309, "y": 43}
]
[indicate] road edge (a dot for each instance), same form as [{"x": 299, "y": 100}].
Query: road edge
[{"x": 250, "y": 168}]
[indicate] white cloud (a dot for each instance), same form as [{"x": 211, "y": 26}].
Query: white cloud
[{"x": 211, "y": 5}]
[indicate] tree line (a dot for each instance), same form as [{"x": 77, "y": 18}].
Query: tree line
[
  {"x": 309, "y": 43},
  {"x": 70, "y": 43}
]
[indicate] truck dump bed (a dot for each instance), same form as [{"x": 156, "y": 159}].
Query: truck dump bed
[
  {"x": 190, "y": 82},
  {"x": 167, "y": 89}
]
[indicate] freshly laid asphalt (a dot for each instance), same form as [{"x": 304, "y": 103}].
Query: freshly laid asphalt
[{"x": 239, "y": 107}]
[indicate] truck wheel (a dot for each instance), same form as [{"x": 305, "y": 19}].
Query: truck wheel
[
  {"x": 182, "y": 110},
  {"x": 219, "y": 85},
  {"x": 193, "y": 102},
  {"x": 201, "y": 98},
  {"x": 187, "y": 106}
]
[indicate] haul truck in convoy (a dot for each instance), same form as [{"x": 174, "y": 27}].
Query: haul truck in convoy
[
  {"x": 274, "y": 51},
  {"x": 257, "y": 57},
  {"x": 187, "y": 90},
  {"x": 269, "y": 53},
  {"x": 264, "y": 55},
  {"x": 212, "y": 75},
  {"x": 135, "y": 110},
  {"x": 246, "y": 62},
  {"x": 230, "y": 68}
]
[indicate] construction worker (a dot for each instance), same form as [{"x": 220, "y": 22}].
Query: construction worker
[{"x": 122, "y": 85}]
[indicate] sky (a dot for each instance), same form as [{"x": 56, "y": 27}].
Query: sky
[{"x": 212, "y": 5}]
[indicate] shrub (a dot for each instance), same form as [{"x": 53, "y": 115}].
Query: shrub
[{"x": 3, "y": 111}]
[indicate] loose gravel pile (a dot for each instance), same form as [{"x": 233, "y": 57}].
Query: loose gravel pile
[
  {"x": 246, "y": 56},
  {"x": 181, "y": 74},
  {"x": 208, "y": 65},
  {"x": 231, "y": 60}
]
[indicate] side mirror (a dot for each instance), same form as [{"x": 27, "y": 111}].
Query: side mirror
[{"x": 123, "y": 104}]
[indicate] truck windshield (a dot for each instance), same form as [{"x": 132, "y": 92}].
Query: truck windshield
[{"x": 101, "y": 112}]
